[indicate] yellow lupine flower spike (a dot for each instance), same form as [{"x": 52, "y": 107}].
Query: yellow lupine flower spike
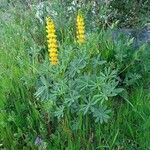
[
  {"x": 80, "y": 29},
  {"x": 52, "y": 41}
]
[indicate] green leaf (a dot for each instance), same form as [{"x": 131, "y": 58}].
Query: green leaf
[{"x": 101, "y": 114}]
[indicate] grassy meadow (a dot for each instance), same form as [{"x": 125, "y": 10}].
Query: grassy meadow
[{"x": 97, "y": 97}]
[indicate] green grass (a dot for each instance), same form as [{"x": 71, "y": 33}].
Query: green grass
[{"x": 24, "y": 117}]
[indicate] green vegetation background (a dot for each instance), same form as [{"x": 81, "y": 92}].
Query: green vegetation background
[{"x": 28, "y": 117}]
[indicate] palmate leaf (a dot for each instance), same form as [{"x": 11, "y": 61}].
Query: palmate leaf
[
  {"x": 131, "y": 78},
  {"x": 83, "y": 82},
  {"x": 88, "y": 106},
  {"x": 97, "y": 62},
  {"x": 101, "y": 114},
  {"x": 72, "y": 98},
  {"x": 96, "y": 83},
  {"x": 110, "y": 89},
  {"x": 44, "y": 89},
  {"x": 59, "y": 113},
  {"x": 61, "y": 87},
  {"x": 108, "y": 74},
  {"x": 90, "y": 83},
  {"x": 76, "y": 66}
]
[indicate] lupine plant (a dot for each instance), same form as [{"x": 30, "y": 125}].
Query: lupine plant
[{"x": 79, "y": 84}]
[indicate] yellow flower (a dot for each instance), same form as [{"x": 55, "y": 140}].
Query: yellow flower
[
  {"x": 52, "y": 41},
  {"x": 80, "y": 29}
]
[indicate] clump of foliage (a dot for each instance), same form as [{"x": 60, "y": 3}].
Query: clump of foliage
[{"x": 130, "y": 13}]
